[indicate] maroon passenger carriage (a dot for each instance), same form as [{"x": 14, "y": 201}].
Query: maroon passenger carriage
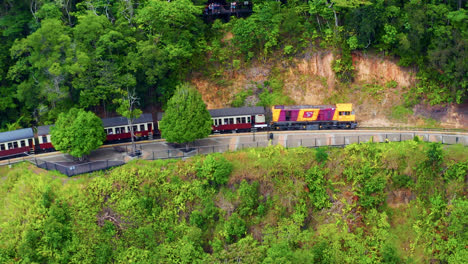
[
  {"x": 43, "y": 137},
  {"x": 238, "y": 119},
  {"x": 16, "y": 142},
  {"x": 117, "y": 128}
]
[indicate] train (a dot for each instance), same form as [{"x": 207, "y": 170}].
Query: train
[{"x": 225, "y": 120}]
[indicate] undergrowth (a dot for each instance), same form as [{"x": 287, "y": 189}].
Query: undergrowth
[{"x": 375, "y": 203}]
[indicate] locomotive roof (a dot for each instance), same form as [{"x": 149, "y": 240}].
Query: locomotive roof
[
  {"x": 237, "y": 111},
  {"x": 122, "y": 121},
  {"x": 293, "y": 107},
  {"x": 43, "y": 130},
  {"x": 16, "y": 135}
]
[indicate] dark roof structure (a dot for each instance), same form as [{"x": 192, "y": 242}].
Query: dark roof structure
[
  {"x": 16, "y": 135},
  {"x": 43, "y": 130},
  {"x": 122, "y": 121},
  {"x": 237, "y": 111}
]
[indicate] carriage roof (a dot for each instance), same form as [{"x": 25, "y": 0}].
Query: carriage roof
[
  {"x": 237, "y": 111},
  {"x": 16, "y": 135},
  {"x": 122, "y": 121}
]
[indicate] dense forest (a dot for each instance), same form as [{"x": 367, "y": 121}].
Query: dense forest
[
  {"x": 365, "y": 203},
  {"x": 56, "y": 54}
]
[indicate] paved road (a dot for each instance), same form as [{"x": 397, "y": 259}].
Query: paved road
[{"x": 158, "y": 149}]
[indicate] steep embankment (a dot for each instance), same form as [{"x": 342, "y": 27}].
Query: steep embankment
[
  {"x": 379, "y": 89},
  {"x": 401, "y": 202}
]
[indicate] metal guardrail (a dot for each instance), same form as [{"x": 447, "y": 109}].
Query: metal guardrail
[
  {"x": 316, "y": 141},
  {"x": 415, "y": 129},
  {"x": 72, "y": 169}
]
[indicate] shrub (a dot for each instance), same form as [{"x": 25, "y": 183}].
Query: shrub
[
  {"x": 248, "y": 194},
  {"x": 456, "y": 171},
  {"x": 234, "y": 228},
  {"x": 402, "y": 181},
  {"x": 216, "y": 169},
  {"x": 321, "y": 155},
  {"x": 315, "y": 179},
  {"x": 197, "y": 219}
]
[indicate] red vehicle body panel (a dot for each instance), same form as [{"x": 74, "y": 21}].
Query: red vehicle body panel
[
  {"x": 13, "y": 151},
  {"x": 46, "y": 146},
  {"x": 232, "y": 127},
  {"x": 126, "y": 135}
]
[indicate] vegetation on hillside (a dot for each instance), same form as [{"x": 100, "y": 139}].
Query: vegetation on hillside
[
  {"x": 55, "y": 55},
  {"x": 367, "y": 203}
]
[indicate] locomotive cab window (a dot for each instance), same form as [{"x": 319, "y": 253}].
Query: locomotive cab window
[{"x": 344, "y": 113}]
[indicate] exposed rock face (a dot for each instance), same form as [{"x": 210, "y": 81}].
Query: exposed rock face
[
  {"x": 311, "y": 80},
  {"x": 381, "y": 70}
]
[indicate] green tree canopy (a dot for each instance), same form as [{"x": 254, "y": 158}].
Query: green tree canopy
[
  {"x": 186, "y": 117},
  {"x": 77, "y": 132}
]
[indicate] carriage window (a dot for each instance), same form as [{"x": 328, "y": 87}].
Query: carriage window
[
  {"x": 44, "y": 139},
  {"x": 122, "y": 130},
  {"x": 215, "y": 122},
  {"x": 142, "y": 127},
  {"x": 238, "y": 120},
  {"x": 15, "y": 144},
  {"x": 243, "y": 120},
  {"x": 135, "y": 128},
  {"x": 23, "y": 143},
  {"x": 226, "y": 121},
  {"x": 231, "y": 121},
  {"x": 109, "y": 131},
  {"x": 117, "y": 130},
  {"x": 2, "y": 146}
]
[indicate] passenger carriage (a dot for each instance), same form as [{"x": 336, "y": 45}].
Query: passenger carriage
[
  {"x": 43, "y": 138},
  {"x": 117, "y": 128},
  {"x": 238, "y": 119},
  {"x": 16, "y": 142}
]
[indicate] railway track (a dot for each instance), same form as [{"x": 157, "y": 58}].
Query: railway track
[{"x": 296, "y": 137}]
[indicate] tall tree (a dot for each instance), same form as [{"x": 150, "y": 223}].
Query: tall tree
[
  {"x": 77, "y": 132},
  {"x": 127, "y": 108},
  {"x": 186, "y": 117},
  {"x": 42, "y": 66}
]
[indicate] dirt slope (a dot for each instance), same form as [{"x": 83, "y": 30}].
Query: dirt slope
[{"x": 377, "y": 89}]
